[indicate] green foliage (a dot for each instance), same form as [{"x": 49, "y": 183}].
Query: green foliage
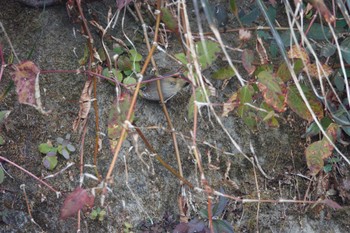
[
  {"x": 206, "y": 52},
  {"x": 64, "y": 148},
  {"x": 98, "y": 214},
  {"x": 169, "y": 20},
  {"x": 330, "y": 163},
  {"x": 127, "y": 227},
  {"x": 2, "y": 174},
  {"x": 345, "y": 49},
  {"x": 2, "y": 141},
  {"x": 127, "y": 64},
  {"x": 296, "y": 103},
  {"x": 318, "y": 151},
  {"x": 224, "y": 73}
]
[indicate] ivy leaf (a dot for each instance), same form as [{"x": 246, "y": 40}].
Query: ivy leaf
[
  {"x": 318, "y": 151},
  {"x": 314, "y": 154},
  {"x": 284, "y": 73},
  {"x": 207, "y": 52},
  {"x": 224, "y": 73},
  {"x": 296, "y": 103},
  {"x": 273, "y": 90},
  {"x": 313, "y": 129},
  {"x": 245, "y": 95},
  {"x": 345, "y": 49}
]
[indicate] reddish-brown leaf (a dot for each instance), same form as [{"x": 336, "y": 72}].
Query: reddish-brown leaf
[
  {"x": 75, "y": 201},
  {"x": 26, "y": 79}
]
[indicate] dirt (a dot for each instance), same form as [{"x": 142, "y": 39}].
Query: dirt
[{"x": 144, "y": 194}]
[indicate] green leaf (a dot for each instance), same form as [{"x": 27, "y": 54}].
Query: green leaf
[
  {"x": 222, "y": 226},
  {"x": 50, "y": 162},
  {"x": 129, "y": 80},
  {"x": 328, "y": 50},
  {"x": 113, "y": 74},
  {"x": 84, "y": 59},
  {"x": 319, "y": 32},
  {"x": 315, "y": 153},
  {"x": 2, "y": 175},
  {"x": 250, "y": 120},
  {"x": 266, "y": 78},
  {"x": 182, "y": 58},
  {"x": 117, "y": 117},
  {"x": 169, "y": 20},
  {"x": 203, "y": 213},
  {"x": 269, "y": 117},
  {"x": 3, "y": 115},
  {"x": 2, "y": 141},
  {"x": 93, "y": 214},
  {"x": 345, "y": 49},
  {"x": 207, "y": 52},
  {"x": 59, "y": 149},
  {"x": 45, "y": 148},
  {"x": 136, "y": 67},
  {"x": 283, "y": 71},
  {"x": 124, "y": 63},
  {"x": 251, "y": 16},
  {"x": 339, "y": 82},
  {"x": 327, "y": 168},
  {"x": 313, "y": 129},
  {"x": 135, "y": 56},
  {"x": 128, "y": 72},
  {"x": 234, "y": 8},
  {"x": 102, "y": 215},
  {"x": 224, "y": 73},
  {"x": 118, "y": 50},
  {"x": 219, "y": 207},
  {"x": 296, "y": 103},
  {"x": 273, "y": 90},
  {"x": 245, "y": 95},
  {"x": 271, "y": 12}
]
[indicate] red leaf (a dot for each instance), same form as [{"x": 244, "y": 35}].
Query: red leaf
[
  {"x": 26, "y": 78},
  {"x": 75, "y": 201}
]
